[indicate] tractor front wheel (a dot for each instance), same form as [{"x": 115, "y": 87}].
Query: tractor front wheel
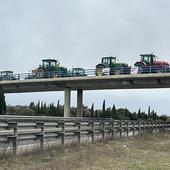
[{"x": 99, "y": 70}]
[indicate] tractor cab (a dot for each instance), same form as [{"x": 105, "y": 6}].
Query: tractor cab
[
  {"x": 50, "y": 64},
  {"x": 108, "y": 61},
  {"x": 149, "y": 59},
  {"x": 78, "y": 72},
  {"x": 7, "y": 75}
]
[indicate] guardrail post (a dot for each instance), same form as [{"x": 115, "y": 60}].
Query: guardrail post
[
  {"x": 78, "y": 132},
  {"x": 167, "y": 126},
  {"x": 139, "y": 128},
  {"x": 133, "y": 128},
  {"x": 164, "y": 126},
  {"x": 152, "y": 125},
  {"x": 120, "y": 128},
  {"x": 159, "y": 126},
  {"x": 149, "y": 127},
  {"x": 162, "y": 129},
  {"x": 156, "y": 126},
  {"x": 14, "y": 138},
  {"x": 91, "y": 131},
  {"x": 127, "y": 128},
  {"x": 143, "y": 126},
  {"x": 103, "y": 130},
  {"x": 41, "y": 134},
  {"x": 62, "y": 133},
  {"x": 113, "y": 129}
]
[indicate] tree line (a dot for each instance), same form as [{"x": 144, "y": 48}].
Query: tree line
[{"x": 42, "y": 109}]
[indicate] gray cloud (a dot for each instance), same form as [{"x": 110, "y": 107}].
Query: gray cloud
[{"x": 79, "y": 33}]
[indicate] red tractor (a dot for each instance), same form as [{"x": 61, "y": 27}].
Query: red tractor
[{"x": 149, "y": 64}]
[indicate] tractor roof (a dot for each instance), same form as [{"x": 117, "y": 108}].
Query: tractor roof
[
  {"x": 6, "y": 71},
  {"x": 78, "y": 68},
  {"x": 148, "y": 55},
  {"x": 51, "y": 60},
  {"x": 111, "y": 57}
]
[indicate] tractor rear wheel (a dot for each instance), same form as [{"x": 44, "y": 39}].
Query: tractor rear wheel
[{"x": 40, "y": 73}]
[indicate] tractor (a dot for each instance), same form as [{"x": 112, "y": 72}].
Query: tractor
[
  {"x": 149, "y": 64},
  {"x": 50, "y": 68},
  {"x": 7, "y": 75},
  {"x": 76, "y": 72},
  {"x": 110, "y": 66}
]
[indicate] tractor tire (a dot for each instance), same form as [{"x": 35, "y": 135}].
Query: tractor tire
[
  {"x": 40, "y": 73},
  {"x": 99, "y": 70}
]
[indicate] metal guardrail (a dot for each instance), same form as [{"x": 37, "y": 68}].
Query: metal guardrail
[
  {"x": 90, "y": 72},
  {"x": 16, "y": 131}
]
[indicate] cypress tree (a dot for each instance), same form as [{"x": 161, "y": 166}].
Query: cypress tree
[
  {"x": 58, "y": 105},
  {"x": 113, "y": 111},
  {"x": 96, "y": 114},
  {"x": 149, "y": 112},
  {"x": 92, "y": 110},
  {"x": 42, "y": 108},
  {"x": 139, "y": 114},
  {"x": 45, "y": 109},
  {"x": 104, "y": 106}
]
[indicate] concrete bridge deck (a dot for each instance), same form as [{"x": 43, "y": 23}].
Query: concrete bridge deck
[
  {"x": 159, "y": 80},
  {"x": 67, "y": 84}
]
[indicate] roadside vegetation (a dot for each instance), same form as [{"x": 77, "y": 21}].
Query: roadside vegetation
[
  {"x": 42, "y": 109},
  {"x": 147, "y": 152}
]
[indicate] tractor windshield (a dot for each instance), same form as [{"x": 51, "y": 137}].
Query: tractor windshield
[
  {"x": 148, "y": 58},
  {"x": 53, "y": 64},
  {"x": 49, "y": 63},
  {"x": 46, "y": 63},
  {"x": 6, "y": 73},
  {"x": 105, "y": 61},
  {"x": 109, "y": 60}
]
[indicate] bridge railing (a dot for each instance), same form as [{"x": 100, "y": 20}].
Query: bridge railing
[
  {"x": 89, "y": 72},
  {"x": 23, "y": 130}
]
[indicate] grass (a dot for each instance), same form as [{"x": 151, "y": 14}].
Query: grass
[{"x": 147, "y": 152}]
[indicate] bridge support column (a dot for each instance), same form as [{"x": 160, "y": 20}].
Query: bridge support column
[
  {"x": 79, "y": 103},
  {"x": 67, "y": 94}
]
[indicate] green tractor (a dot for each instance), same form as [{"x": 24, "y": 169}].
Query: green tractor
[
  {"x": 109, "y": 66},
  {"x": 50, "y": 68}
]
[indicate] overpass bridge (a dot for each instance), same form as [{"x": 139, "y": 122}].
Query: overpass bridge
[{"x": 68, "y": 84}]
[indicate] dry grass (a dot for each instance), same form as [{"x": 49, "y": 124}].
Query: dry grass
[{"x": 150, "y": 152}]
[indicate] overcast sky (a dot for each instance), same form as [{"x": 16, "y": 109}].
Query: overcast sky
[{"x": 79, "y": 33}]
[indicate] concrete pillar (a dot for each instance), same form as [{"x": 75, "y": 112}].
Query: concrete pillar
[
  {"x": 79, "y": 103},
  {"x": 67, "y": 94}
]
